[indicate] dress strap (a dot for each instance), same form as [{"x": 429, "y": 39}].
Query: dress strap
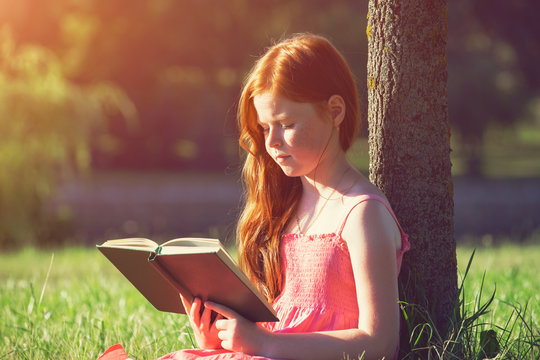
[{"x": 367, "y": 197}]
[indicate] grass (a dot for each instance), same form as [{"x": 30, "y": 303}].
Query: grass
[
  {"x": 511, "y": 271},
  {"x": 86, "y": 306},
  {"x": 72, "y": 304},
  {"x": 498, "y": 313}
]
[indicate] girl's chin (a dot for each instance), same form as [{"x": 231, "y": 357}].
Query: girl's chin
[{"x": 289, "y": 171}]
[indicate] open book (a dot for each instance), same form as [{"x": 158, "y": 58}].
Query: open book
[{"x": 193, "y": 267}]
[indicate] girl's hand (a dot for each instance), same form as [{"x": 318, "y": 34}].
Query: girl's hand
[
  {"x": 204, "y": 329},
  {"x": 237, "y": 333}
]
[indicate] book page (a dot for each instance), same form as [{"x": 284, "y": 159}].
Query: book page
[
  {"x": 172, "y": 250},
  {"x": 132, "y": 242},
  {"x": 198, "y": 242}
]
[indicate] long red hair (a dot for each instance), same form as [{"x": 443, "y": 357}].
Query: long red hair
[{"x": 308, "y": 69}]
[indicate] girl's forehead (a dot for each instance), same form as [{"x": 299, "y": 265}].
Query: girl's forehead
[{"x": 275, "y": 107}]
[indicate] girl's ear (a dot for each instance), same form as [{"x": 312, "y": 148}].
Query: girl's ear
[{"x": 336, "y": 107}]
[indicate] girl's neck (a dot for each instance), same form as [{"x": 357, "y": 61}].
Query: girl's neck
[
  {"x": 326, "y": 178},
  {"x": 319, "y": 193}
]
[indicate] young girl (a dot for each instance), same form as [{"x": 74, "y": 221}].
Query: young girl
[{"x": 318, "y": 239}]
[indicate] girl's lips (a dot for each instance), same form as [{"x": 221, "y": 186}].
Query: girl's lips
[{"x": 282, "y": 158}]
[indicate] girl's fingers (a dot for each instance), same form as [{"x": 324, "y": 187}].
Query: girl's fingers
[
  {"x": 221, "y": 323},
  {"x": 222, "y": 310},
  {"x": 218, "y": 320},
  {"x": 206, "y": 317},
  {"x": 227, "y": 345},
  {"x": 187, "y": 305},
  {"x": 222, "y": 335},
  {"x": 195, "y": 313}
]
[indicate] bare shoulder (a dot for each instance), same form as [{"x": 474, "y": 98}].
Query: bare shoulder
[
  {"x": 370, "y": 223},
  {"x": 363, "y": 187}
]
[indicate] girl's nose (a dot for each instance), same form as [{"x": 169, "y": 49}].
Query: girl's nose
[{"x": 274, "y": 138}]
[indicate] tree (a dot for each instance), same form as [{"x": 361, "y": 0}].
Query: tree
[
  {"x": 409, "y": 144},
  {"x": 46, "y": 125}
]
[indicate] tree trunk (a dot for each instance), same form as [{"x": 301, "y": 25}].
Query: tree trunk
[{"x": 409, "y": 139}]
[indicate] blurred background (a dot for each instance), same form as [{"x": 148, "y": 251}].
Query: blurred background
[{"x": 117, "y": 118}]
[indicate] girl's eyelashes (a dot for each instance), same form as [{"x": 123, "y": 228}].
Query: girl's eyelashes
[{"x": 265, "y": 129}]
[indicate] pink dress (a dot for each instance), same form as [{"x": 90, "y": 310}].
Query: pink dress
[{"x": 319, "y": 292}]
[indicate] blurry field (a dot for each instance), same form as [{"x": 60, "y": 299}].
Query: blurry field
[
  {"x": 82, "y": 305},
  {"x": 507, "y": 153}
]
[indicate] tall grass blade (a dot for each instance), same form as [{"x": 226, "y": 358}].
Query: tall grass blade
[{"x": 46, "y": 280}]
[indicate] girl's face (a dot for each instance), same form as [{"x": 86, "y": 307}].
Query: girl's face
[{"x": 297, "y": 136}]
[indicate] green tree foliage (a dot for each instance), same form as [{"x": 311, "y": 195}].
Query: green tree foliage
[
  {"x": 180, "y": 61},
  {"x": 494, "y": 77},
  {"x": 45, "y": 126}
]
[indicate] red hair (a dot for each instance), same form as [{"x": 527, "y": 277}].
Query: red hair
[{"x": 307, "y": 69}]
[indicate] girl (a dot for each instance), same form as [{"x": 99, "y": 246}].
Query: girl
[{"x": 318, "y": 239}]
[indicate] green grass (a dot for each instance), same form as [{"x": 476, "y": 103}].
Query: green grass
[
  {"x": 512, "y": 271},
  {"x": 79, "y": 305},
  {"x": 86, "y": 306},
  {"x": 501, "y": 290}
]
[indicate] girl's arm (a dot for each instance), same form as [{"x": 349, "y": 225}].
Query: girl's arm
[{"x": 371, "y": 235}]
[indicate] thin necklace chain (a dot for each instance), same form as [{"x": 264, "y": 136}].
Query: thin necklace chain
[
  {"x": 324, "y": 205},
  {"x": 345, "y": 192}
]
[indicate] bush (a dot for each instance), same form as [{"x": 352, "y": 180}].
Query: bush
[{"x": 45, "y": 125}]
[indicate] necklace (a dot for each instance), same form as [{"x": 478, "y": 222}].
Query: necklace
[
  {"x": 345, "y": 192},
  {"x": 324, "y": 205}
]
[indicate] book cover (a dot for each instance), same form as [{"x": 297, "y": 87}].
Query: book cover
[{"x": 191, "y": 266}]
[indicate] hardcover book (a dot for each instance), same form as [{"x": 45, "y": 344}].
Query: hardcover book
[{"x": 193, "y": 267}]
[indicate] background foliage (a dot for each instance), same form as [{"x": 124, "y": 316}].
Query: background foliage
[
  {"x": 152, "y": 85},
  {"x": 45, "y": 126}
]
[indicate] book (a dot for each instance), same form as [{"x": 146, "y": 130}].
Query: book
[{"x": 193, "y": 267}]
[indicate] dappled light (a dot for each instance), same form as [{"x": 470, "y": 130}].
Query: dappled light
[
  {"x": 99, "y": 86},
  {"x": 118, "y": 118}
]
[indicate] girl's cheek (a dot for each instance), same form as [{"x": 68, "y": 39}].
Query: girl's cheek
[
  {"x": 289, "y": 139},
  {"x": 299, "y": 141},
  {"x": 296, "y": 138}
]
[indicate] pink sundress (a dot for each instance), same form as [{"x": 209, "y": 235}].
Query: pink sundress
[{"x": 319, "y": 292}]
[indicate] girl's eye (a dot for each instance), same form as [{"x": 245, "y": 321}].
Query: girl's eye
[{"x": 287, "y": 126}]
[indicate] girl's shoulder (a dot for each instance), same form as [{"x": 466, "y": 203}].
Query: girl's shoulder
[
  {"x": 368, "y": 213},
  {"x": 362, "y": 188},
  {"x": 362, "y": 192},
  {"x": 366, "y": 206}
]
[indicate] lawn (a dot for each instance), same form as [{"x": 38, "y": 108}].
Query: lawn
[{"x": 72, "y": 303}]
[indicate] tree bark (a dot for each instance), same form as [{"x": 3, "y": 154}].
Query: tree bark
[{"x": 409, "y": 139}]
